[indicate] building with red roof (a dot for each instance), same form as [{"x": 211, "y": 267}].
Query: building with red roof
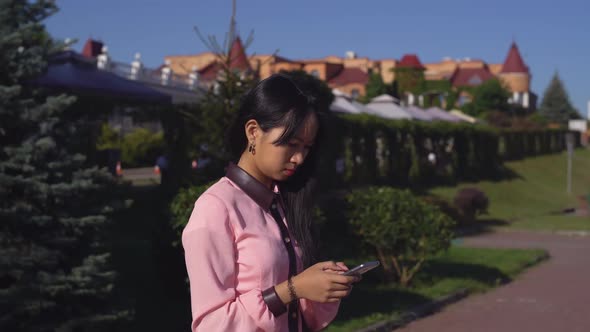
[
  {"x": 468, "y": 77},
  {"x": 514, "y": 62},
  {"x": 350, "y": 73},
  {"x": 517, "y": 77},
  {"x": 411, "y": 61},
  {"x": 352, "y": 80}
]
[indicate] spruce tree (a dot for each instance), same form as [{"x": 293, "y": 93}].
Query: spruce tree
[
  {"x": 556, "y": 106},
  {"x": 54, "y": 265}
]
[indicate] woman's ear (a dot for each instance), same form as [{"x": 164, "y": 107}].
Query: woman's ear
[{"x": 252, "y": 130}]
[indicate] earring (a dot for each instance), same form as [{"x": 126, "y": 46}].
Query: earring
[{"x": 252, "y": 148}]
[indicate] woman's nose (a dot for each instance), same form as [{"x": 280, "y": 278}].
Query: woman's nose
[{"x": 298, "y": 158}]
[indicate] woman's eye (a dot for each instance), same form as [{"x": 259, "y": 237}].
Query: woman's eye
[{"x": 293, "y": 145}]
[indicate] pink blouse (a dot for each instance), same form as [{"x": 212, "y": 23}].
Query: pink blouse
[{"x": 234, "y": 251}]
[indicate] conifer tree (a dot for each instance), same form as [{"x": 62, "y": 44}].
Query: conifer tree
[
  {"x": 556, "y": 106},
  {"x": 54, "y": 265}
]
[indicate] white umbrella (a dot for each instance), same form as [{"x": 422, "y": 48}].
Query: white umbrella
[
  {"x": 440, "y": 114},
  {"x": 418, "y": 113},
  {"x": 361, "y": 107},
  {"x": 342, "y": 104},
  {"x": 385, "y": 107},
  {"x": 463, "y": 116}
]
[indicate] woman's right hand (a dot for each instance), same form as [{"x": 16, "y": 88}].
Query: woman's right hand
[{"x": 320, "y": 284}]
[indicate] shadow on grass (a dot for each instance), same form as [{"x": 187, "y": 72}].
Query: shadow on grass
[
  {"x": 369, "y": 299},
  {"x": 504, "y": 173},
  {"x": 481, "y": 226},
  {"x": 438, "y": 270}
]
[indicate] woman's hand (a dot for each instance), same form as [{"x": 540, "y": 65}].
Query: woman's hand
[
  {"x": 323, "y": 282},
  {"x": 341, "y": 268}
]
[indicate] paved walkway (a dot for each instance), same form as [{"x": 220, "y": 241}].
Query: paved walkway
[{"x": 553, "y": 296}]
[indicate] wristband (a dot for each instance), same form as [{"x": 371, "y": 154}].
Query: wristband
[{"x": 273, "y": 302}]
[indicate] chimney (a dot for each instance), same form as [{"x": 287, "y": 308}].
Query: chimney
[{"x": 92, "y": 48}]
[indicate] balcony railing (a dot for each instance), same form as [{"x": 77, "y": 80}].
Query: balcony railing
[{"x": 163, "y": 76}]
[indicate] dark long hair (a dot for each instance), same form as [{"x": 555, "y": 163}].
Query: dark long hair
[{"x": 278, "y": 102}]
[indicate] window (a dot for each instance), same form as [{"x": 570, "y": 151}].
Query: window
[
  {"x": 464, "y": 100},
  {"x": 475, "y": 80},
  {"x": 355, "y": 93},
  {"x": 315, "y": 73}
]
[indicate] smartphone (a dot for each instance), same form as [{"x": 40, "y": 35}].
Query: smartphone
[{"x": 361, "y": 269}]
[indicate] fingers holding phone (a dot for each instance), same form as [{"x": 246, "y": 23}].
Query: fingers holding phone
[
  {"x": 362, "y": 268},
  {"x": 337, "y": 267},
  {"x": 323, "y": 282}
]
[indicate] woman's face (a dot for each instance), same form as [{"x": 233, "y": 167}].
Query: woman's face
[{"x": 279, "y": 162}]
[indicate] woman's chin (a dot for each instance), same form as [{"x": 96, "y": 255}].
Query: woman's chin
[{"x": 281, "y": 177}]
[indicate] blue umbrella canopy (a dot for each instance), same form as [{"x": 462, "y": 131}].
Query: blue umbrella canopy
[{"x": 72, "y": 73}]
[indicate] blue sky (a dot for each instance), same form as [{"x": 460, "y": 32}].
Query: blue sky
[{"x": 551, "y": 35}]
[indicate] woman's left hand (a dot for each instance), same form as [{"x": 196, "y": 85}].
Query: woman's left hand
[{"x": 342, "y": 268}]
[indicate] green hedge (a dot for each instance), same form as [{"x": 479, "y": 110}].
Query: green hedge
[
  {"x": 138, "y": 148},
  {"x": 374, "y": 150}
]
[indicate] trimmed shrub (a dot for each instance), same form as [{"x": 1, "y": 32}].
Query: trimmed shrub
[
  {"x": 403, "y": 229},
  {"x": 471, "y": 202},
  {"x": 138, "y": 148},
  {"x": 446, "y": 207}
]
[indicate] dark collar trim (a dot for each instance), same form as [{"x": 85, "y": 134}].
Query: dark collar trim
[{"x": 262, "y": 195}]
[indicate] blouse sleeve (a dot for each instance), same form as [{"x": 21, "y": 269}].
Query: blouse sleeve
[
  {"x": 318, "y": 315},
  {"x": 210, "y": 255}
]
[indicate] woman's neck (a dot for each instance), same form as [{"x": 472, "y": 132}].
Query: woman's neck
[{"x": 248, "y": 165}]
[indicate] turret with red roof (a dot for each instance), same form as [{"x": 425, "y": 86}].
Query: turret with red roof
[{"x": 517, "y": 77}]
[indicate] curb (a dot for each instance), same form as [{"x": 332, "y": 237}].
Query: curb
[
  {"x": 580, "y": 233},
  {"x": 416, "y": 313},
  {"x": 573, "y": 233}
]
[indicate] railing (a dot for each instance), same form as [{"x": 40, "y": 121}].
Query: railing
[{"x": 136, "y": 71}]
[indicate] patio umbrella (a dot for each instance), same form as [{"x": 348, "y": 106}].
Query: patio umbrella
[
  {"x": 418, "y": 113},
  {"x": 463, "y": 116},
  {"x": 342, "y": 104},
  {"x": 440, "y": 114},
  {"x": 385, "y": 107}
]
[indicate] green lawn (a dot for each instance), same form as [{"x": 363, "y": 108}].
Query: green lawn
[
  {"x": 532, "y": 199},
  {"x": 476, "y": 269}
]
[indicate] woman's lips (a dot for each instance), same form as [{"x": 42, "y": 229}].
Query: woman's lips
[{"x": 289, "y": 172}]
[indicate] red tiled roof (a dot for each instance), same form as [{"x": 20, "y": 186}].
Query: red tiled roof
[
  {"x": 209, "y": 72},
  {"x": 350, "y": 75},
  {"x": 514, "y": 62},
  {"x": 411, "y": 61},
  {"x": 470, "y": 76},
  {"x": 279, "y": 59},
  {"x": 92, "y": 48},
  {"x": 237, "y": 55}
]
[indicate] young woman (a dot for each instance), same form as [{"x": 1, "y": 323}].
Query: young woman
[{"x": 248, "y": 245}]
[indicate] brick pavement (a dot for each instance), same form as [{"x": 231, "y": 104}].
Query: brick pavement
[{"x": 553, "y": 296}]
